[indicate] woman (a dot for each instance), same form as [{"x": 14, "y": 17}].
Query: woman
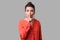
[{"x": 29, "y": 28}]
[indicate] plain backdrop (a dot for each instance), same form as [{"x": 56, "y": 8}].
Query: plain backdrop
[{"x": 47, "y": 12}]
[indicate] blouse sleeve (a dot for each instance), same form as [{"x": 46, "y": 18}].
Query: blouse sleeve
[
  {"x": 40, "y": 32},
  {"x": 22, "y": 31}
]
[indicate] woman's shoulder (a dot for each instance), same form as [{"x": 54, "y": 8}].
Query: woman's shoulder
[
  {"x": 21, "y": 21},
  {"x": 37, "y": 21}
]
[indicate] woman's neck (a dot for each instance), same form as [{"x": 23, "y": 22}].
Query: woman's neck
[{"x": 30, "y": 20}]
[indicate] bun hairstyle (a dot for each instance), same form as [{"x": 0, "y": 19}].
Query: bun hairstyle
[{"x": 29, "y": 4}]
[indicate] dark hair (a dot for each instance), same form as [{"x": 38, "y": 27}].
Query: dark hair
[{"x": 29, "y": 4}]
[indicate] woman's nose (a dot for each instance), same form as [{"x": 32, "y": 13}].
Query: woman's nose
[{"x": 30, "y": 12}]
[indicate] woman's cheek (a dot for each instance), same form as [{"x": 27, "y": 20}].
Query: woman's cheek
[
  {"x": 27, "y": 14},
  {"x": 32, "y": 13}
]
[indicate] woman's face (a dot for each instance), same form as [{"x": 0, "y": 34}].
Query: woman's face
[{"x": 29, "y": 12}]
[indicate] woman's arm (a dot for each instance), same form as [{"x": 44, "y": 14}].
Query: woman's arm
[
  {"x": 23, "y": 30},
  {"x": 40, "y": 32}
]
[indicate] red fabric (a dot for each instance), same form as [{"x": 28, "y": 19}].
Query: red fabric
[{"x": 28, "y": 31}]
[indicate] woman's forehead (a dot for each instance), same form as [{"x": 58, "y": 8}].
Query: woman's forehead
[{"x": 29, "y": 8}]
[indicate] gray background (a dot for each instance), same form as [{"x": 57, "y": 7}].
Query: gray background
[{"x": 47, "y": 11}]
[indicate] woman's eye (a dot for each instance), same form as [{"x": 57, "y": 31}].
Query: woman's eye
[
  {"x": 27, "y": 10},
  {"x": 31, "y": 10}
]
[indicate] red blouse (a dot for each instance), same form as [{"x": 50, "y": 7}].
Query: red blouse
[{"x": 28, "y": 31}]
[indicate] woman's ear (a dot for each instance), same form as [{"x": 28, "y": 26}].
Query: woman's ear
[{"x": 34, "y": 13}]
